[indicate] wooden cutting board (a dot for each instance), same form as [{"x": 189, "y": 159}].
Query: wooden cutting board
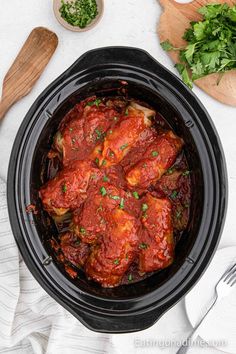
[
  {"x": 173, "y": 22},
  {"x": 27, "y": 67}
]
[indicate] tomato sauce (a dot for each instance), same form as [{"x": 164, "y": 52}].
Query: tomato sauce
[{"x": 119, "y": 190}]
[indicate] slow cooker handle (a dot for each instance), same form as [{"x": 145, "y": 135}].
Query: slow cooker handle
[
  {"x": 121, "y": 324},
  {"x": 114, "y": 55}
]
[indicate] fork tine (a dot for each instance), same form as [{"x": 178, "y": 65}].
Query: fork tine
[
  {"x": 234, "y": 282},
  {"x": 231, "y": 278},
  {"x": 229, "y": 273}
]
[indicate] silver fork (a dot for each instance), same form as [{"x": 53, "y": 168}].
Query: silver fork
[{"x": 222, "y": 289}]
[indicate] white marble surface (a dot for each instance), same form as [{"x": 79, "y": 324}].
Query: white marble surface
[{"x": 125, "y": 22}]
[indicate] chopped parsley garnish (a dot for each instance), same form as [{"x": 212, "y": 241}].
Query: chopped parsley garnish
[
  {"x": 94, "y": 103},
  {"x": 104, "y": 162},
  {"x": 99, "y": 133},
  {"x": 103, "y": 191},
  {"x": 105, "y": 179},
  {"x": 77, "y": 243},
  {"x": 186, "y": 173},
  {"x": 136, "y": 195},
  {"x": 143, "y": 246},
  {"x": 82, "y": 230},
  {"x": 174, "y": 194},
  {"x": 79, "y": 13},
  {"x": 144, "y": 207},
  {"x": 211, "y": 44},
  {"x": 155, "y": 153},
  {"x": 126, "y": 111},
  {"x": 122, "y": 203},
  {"x": 170, "y": 171},
  {"x": 130, "y": 277},
  {"x": 116, "y": 261},
  {"x": 111, "y": 154},
  {"x": 115, "y": 197},
  {"x": 178, "y": 214},
  {"x": 123, "y": 146},
  {"x": 64, "y": 188},
  {"x": 97, "y": 161},
  {"x": 94, "y": 176},
  {"x": 110, "y": 132}
]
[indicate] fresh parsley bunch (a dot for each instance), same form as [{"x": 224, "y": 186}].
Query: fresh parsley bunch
[{"x": 211, "y": 44}]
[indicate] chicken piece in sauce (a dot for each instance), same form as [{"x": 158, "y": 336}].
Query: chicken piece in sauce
[
  {"x": 67, "y": 190},
  {"x": 111, "y": 258},
  {"x": 125, "y": 134},
  {"x": 158, "y": 157},
  {"x": 84, "y": 128},
  {"x": 156, "y": 244},
  {"x": 176, "y": 185},
  {"x": 93, "y": 219},
  {"x": 74, "y": 250}
]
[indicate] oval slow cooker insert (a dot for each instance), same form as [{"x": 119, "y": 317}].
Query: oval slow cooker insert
[{"x": 137, "y": 306}]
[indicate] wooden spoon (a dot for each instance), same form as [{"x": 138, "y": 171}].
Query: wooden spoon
[
  {"x": 173, "y": 22},
  {"x": 27, "y": 67}
]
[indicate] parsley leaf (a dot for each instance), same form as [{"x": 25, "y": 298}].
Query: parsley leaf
[
  {"x": 189, "y": 51},
  {"x": 123, "y": 147},
  {"x": 167, "y": 46},
  {"x": 95, "y": 102},
  {"x": 155, "y": 153},
  {"x": 184, "y": 73},
  {"x": 174, "y": 194},
  {"x": 103, "y": 191},
  {"x": 122, "y": 203},
  {"x": 186, "y": 173},
  {"x": 144, "y": 207},
  {"x": 143, "y": 246},
  {"x": 82, "y": 230},
  {"x": 99, "y": 133},
  {"x": 135, "y": 195},
  {"x": 115, "y": 197},
  {"x": 64, "y": 188}
]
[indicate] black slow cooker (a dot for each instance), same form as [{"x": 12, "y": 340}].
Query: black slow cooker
[{"x": 137, "y": 306}]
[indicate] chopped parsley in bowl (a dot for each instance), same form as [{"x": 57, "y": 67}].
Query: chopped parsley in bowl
[{"x": 78, "y": 15}]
